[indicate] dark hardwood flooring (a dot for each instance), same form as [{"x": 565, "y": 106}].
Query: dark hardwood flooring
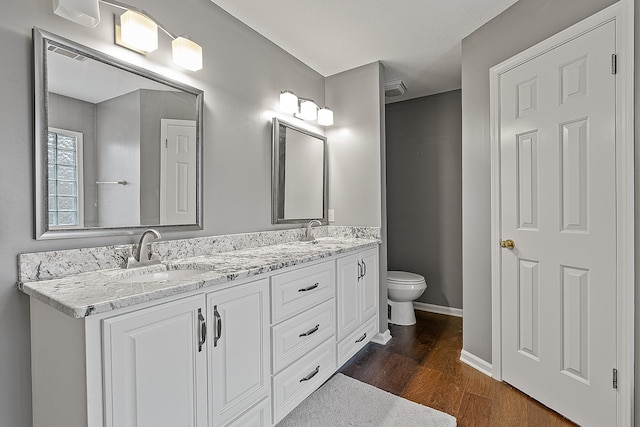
[{"x": 422, "y": 364}]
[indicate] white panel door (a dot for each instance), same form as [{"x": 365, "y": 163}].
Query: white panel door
[
  {"x": 178, "y": 172},
  {"x": 557, "y": 148},
  {"x": 239, "y": 349},
  {"x": 155, "y": 368}
]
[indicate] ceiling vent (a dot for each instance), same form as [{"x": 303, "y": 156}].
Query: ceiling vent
[
  {"x": 394, "y": 88},
  {"x": 64, "y": 52}
]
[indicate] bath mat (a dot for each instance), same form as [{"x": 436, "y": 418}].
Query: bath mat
[{"x": 343, "y": 401}]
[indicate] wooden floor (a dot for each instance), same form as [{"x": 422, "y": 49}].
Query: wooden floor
[{"x": 422, "y": 363}]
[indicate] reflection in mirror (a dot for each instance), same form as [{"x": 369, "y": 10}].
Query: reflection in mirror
[
  {"x": 117, "y": 147},
  {"x": 299, "y": 177}
]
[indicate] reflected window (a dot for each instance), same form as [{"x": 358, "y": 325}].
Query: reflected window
[{"x": 65, "y": 178}]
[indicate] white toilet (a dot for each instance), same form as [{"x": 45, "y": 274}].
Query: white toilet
[{"x": 402, "y": 289}]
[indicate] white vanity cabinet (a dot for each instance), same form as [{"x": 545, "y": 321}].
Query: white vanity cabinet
[
  {"x": 357, "y": 302},
  {"x": 239, "y": 353},
  {"x": 155, "y": 366},
  {"x": 244, "y": 354}
]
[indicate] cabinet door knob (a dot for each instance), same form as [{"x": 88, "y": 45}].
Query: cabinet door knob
[{"x": 508, "y": 244}]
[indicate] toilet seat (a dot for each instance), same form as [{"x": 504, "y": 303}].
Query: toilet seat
[{"x": 405, "y": 280}]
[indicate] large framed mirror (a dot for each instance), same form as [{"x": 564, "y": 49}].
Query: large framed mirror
[
  {"x": 117, "y": 149},
  {"x": 299, "y": 174}
]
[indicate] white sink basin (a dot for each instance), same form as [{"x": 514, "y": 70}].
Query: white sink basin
[{"x": 160, "y": 276}]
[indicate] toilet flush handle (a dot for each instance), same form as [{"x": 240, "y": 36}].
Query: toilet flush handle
[{"x": 509, "y": 244}]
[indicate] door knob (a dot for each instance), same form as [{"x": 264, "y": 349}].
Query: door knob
[{"x": 509, "y": 244}]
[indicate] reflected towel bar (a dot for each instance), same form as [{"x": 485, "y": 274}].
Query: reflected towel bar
[{"x": 112, "y": 182}]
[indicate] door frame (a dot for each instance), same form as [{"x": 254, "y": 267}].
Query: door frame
[{"x": 622, "y": 13}]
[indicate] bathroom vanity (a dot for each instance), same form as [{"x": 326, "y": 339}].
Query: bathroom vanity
[{"x": 239, "y": 340}]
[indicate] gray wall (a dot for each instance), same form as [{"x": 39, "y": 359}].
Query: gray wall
[
  {"x": 424, "y": 193},
  {"x": 118, "y": 159},
  {"x": 242, "y": 77},
  {"x": 356, "y": 146},
  {"x": 521, "y": 26},
  {"x": 79, "y": 116}
]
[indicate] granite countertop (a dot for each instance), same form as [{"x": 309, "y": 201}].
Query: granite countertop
[{"x": 101, "y": 291}]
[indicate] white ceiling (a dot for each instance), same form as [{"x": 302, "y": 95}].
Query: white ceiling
[
  {"x": 418, "y": 41},
  {"x": 93, "y": 81}
]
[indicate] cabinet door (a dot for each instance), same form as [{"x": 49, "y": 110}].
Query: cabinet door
[
  {"x": 239, "y": 349},
  {"x": 155, "y": 369},
  {"x": 369, "y": 285},
  {"x": 349, "y": 270}
]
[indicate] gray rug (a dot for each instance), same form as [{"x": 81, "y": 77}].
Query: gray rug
[{"x": 343, "y": 401}]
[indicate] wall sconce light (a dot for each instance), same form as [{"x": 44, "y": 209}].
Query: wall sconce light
[
  {"x": 138, "y": 31},
  {"x": 305, "y": 108},
  {"x": 325, "y": 117},
  {"x": 135, "y": 29}
]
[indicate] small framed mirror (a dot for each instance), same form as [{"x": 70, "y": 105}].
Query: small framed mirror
[
  {"x": 299, "y": 174},
  {"x": 118, "y": 148}
]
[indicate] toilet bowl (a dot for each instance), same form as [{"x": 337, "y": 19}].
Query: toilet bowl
[{"x": 402, "y": 288}]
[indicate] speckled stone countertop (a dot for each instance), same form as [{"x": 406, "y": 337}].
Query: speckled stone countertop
[{"x": 83, "y": 294}]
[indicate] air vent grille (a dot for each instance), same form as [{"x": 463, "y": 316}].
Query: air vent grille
[{"x": 64, "y": 52}]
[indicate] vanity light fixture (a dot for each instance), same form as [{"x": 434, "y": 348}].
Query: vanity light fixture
[
  {"x": 135, "y": 29},
  {"x": 305, "y": 108}
]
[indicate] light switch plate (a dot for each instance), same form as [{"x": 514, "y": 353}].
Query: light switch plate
[{"x": 332, "y": 215}]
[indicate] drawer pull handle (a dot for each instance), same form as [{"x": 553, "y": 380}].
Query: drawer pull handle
[
  {"x": 312, "y": 374},
  {"x": 310, "y": 288},
  {"x": 362, "y": 338},
  {"x": 310, "y": 331}
]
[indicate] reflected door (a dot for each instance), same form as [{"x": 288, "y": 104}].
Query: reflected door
[
  {"x": 178, "y": 172},
  {"x": 557, "y": 147}
]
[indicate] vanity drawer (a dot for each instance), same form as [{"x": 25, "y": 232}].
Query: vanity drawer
[
  {"x": 295, "y": 383},
  {"x": 299, "y": 290},
  {"x": 356, "y": 340},
  {"x": 295, "y": 337}
]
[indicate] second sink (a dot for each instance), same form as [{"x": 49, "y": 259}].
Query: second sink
[{"x": 160, "y": 276}]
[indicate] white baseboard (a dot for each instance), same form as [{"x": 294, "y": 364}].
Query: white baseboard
[
  {"x": 440, "y": 309},
  {"x": 476, "y": 363},
  {"x": 382, "y": 337}
]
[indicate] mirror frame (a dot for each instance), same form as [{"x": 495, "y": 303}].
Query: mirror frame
[
  {"x": 42, "y": 231},
  {"x": 277, "y": 183}
]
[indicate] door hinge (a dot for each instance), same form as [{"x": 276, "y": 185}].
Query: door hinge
[
  {"x": 166, "y": 143},
  {"x": 615, "y": 378},
  {"x": 614, "y": 64}
]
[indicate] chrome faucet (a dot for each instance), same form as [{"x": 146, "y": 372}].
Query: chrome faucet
[
  {"x": 143, "y": 254},
  {"x": 308, "y": 235}
]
